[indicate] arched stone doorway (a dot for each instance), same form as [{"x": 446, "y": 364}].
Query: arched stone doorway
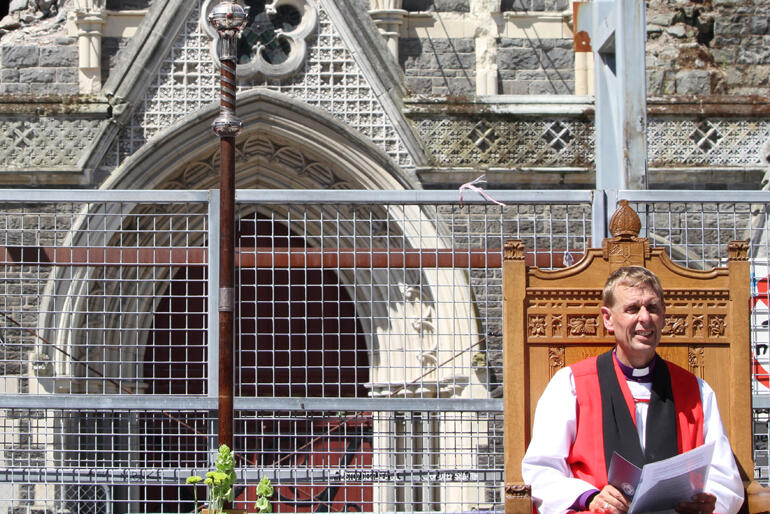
[
  {"x": 297, "y": 336},
  {"x": 290, "y": 146}
]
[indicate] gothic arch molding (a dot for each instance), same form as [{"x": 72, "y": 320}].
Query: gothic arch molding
[{"x": 285, "y": 122}]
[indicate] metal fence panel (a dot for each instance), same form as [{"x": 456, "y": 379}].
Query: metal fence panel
[{"x": 369, "y": 352}]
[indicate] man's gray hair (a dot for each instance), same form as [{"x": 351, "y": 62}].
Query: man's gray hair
[{"x": 630, "y": 276}]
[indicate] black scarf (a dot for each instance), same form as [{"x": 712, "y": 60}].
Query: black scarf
[{"x": 620, "y": 433}]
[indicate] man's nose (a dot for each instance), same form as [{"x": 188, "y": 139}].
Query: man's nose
[{"x": 644, "y": 314}]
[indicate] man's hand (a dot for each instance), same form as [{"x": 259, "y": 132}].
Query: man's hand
[
  {"x": 702, "y": 503},
  {"x": 609, "y": 500}
]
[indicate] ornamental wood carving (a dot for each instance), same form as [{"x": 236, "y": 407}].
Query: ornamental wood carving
[
  {"x": 696, "y": 359},
  {"x": 556, "y": 358}
]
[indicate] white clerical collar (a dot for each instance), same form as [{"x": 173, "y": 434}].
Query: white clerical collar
[{"x": 636, "y": 374}]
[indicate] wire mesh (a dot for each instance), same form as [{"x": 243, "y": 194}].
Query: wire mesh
[
  {"x": 343, "y": 309},
  {"x": 384, "y": 300},
  {"x": 88, "y": 302}
]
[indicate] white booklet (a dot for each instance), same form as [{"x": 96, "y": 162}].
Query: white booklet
[{"x": 660, "y": 486}]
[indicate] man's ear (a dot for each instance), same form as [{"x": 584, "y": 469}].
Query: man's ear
[{"x": 607, "y": 319}]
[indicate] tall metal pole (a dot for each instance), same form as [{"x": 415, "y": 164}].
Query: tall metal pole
[{"x": 228, "y": 18}]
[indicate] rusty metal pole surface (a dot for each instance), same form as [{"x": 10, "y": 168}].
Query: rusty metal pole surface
[{"x": 228, "y": 18}]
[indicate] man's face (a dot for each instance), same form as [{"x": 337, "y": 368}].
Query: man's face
[{"x": 637, "y": 319}]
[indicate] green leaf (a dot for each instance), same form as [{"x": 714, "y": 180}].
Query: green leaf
[
  {"x": 263, "y": 505},
  {"x": 265, "y": 488}
]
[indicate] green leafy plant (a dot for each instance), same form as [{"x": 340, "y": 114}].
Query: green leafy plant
[
  {"x": 194, "y": 481},
  {"x": 264, "y": 492},
  {"x": 220, "y": 484},
  {"x": 220, "y": 481}
]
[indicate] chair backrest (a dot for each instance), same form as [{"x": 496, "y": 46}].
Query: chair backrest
[{"x": 552, "y": 319}]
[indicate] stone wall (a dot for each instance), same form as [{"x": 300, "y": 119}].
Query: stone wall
[
  {"x": 708, "y": 48},
  {"x": 39, "y": 70},
  {"x": 437, "y": 5},
  {"x": 118, "y": 5},
  {"x": 438, "y": 66},
  {"x": 536, "y": 67},
  {"x": 534, "y": 5}
]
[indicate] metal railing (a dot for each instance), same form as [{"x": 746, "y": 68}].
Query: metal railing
[{"x": 368, "y": 344}]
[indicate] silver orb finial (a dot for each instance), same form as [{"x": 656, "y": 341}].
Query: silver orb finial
[{"x": 228, "y": 16}]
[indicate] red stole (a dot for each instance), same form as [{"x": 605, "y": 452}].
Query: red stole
[{"x": 586, "y": 458}]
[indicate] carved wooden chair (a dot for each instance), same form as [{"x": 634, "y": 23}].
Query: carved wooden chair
[{"x": 552, "y": 319}]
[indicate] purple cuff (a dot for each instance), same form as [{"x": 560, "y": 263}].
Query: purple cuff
[{"x": 584, "y": 499}]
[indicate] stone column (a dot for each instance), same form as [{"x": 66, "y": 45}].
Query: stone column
[
  {"x": 89, "y": 18},
  {"x": 487, "y": 32},
  {"x": 584, "y": 57},
  {"x": 388, "y": 16}
]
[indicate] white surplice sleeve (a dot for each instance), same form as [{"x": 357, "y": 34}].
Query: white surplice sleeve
[
  {"x": 544, "y": 467},
  {"x": 724, "y": 481}
]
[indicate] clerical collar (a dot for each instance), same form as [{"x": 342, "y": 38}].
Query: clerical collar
[{"x": 637, "y": 374}]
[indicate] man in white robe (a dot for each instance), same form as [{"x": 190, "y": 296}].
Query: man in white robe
[{"x": 634, "y": 312}]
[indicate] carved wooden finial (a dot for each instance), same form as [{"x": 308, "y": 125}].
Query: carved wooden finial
[
  {"x": 625, "y": 223},
  {"x": 513, "y": 250},
  {"x": 738, "y": 251}
]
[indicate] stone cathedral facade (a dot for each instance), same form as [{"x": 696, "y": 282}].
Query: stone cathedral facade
[{"x": 444, "y": 90}]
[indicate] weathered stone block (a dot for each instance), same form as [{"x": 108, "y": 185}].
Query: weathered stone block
[
  {"x": 9, "y": 75},
  {"x": 454, "y": 45},
  {"x": 17, "y": 5},
  {"x": 724, "y": 55},
  {"x": 753, "y": 54},
  {"x": 517, "y": 59},
  {"x": 531, "y": 75},
  {"x": 57, "y": 89},
  {"x": 665, "y": 19},
  {"x": 37, "y": 75},
  {"x": 420, "y": 62},
  {"x": 19, "y": 56},
  {"x": 513, "y": 43},
  {"x": 514, "y": 87},
  {"x": 693, "y": 82},
  {"x": 758, "y": 25},
  {"x": 67, "y": 75},
  {"x": 556, "y": 5},
  {"x": 758, "y": 76},
  {"x": 14, "y": 89},
  {"x": 419, "y": 85},
  {"x": 410, "y": 46},
  {"x": 680, "y": 31},
  {"x": 560, "y": 58},
  {"x": 437, "y": 5},
  {"x": 654, "y": 31},
  {"x": 59, "y": 56},
  {"x": 117, "y": 5},
  {"x": 550, "y": 87}
]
